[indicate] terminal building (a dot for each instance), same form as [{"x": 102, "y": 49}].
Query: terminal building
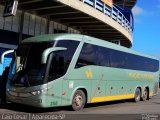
[{"x": 110, "y": 20}]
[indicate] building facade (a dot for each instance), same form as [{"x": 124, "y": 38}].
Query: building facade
[{"x": 112, "y": 21}]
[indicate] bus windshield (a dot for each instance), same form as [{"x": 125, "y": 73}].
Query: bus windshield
[{"x": 27, "y": 69}]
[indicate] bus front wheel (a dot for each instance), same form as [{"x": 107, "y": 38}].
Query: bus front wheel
[
  {"x": 137, "y": 95},
  {"x": 79, "y": 100}
]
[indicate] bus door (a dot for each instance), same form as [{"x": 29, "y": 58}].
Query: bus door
[
  {"x": 56, "y": 69},
  {"x": 54, "y": 81}
]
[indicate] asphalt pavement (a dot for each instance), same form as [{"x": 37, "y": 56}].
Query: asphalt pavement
[{"x": 116, "y": 110}]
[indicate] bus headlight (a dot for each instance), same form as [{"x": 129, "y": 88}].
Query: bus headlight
[
  {"x": 37, "y": 92},
  {"x": 41, "y": 91}
]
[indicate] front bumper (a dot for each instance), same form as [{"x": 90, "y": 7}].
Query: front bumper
[{"x": 35, "y": 101}]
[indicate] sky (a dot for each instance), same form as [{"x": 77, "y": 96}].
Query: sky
[{"x": 146, "y": 35}]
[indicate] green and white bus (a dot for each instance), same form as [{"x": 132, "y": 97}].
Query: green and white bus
[{"x": 70, "y": 69}]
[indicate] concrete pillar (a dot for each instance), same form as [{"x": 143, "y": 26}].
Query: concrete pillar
[{"x": 21, "y": 26}]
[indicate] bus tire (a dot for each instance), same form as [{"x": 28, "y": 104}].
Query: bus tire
[
  {"x": 145, "y": 95},
  {"x": 79, "y": 100},
  {"x": 137, "y": 95}
]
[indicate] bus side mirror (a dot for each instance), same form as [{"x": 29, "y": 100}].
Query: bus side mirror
[
  {"x": 5, "y": 53},
  {"x": 48, "y": 51}
]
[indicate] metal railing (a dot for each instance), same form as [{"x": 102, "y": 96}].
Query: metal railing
[{"x": 112, "y": 12}]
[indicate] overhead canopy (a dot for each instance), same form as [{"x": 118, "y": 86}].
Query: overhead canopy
[{"x": 72, "y": 17}]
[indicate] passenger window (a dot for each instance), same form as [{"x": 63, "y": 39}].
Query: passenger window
[
  {"x": 60, "y": 60},
  {"x": 88, "y": 56},
  {"x": 103, "y": 57},
  {"x": 57, "y": 65},
  {"x": 93, "y": 55}
]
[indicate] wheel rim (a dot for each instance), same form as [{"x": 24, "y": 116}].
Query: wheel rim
[
  {"x": 137, "y": 95},
  {"x": 78, "y": 100},
  {"x": 145, "y": 95}
]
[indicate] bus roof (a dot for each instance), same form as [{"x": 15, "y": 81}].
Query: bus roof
[
  {"x": 53, "y": 37},
  {"x": 78, "y": 37}
]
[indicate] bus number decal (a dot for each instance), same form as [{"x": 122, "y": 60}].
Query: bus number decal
[{"x": 53, "y": 103}]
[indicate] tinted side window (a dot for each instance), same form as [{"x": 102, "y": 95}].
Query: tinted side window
[
  {"x": 118, "y": 59},
  {"x": 103, "y": 57},
  {"x": 93, "y": 55},
  {"x": 61, "y": 59},
  {"x": 124, "y": 60},
  {"x": 88, "y": 56},
  {"x": 100, "y": 56},
  {"x": 71, "y": 46},
  {"x": 58, "y": 65}
]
